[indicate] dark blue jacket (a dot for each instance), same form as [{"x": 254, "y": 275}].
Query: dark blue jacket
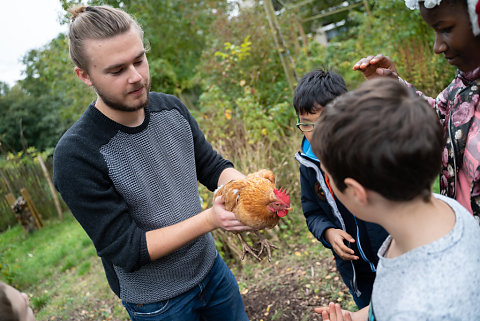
[{"x": 322, "y": 211}]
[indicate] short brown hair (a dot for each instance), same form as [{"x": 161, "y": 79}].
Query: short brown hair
[
  {"x": 95, "y": 22},
  {"x": 385, "y": 137}
]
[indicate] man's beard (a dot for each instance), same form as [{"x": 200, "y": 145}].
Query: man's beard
[{"x": 120, "y": 106}]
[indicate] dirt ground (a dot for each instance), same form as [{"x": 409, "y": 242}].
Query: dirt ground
[
  {"x": 297, "y": 279},
  {"x": 292, "y": 285}
]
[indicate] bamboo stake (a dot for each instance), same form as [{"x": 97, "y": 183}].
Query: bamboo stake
[
  {"x": 288, "y": 65},
  {"x": 367, "y": 8},
  {"x": 36, "y": 215},
  {"x": 50, "y": 184},
  {"x": 11, "y": 202}
]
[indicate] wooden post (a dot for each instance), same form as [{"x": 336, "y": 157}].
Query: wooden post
[
  {"x": 367, "y": 8},
  {"x": 11, "y": 202},
  {"x": 288, "y": 65},
  {"x": 303, "y": 35},
  {"x": 52, "y": 188},
  {"x": 36, "y": 215}
]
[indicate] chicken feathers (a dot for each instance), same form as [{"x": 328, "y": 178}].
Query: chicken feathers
[{"x": 257, "y": 203}]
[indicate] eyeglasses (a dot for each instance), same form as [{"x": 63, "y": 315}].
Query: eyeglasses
[{"x": 305, "y": 127}]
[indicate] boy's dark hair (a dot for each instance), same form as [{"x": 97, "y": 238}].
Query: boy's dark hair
[
  {"x": 383, "y": 136},
  {"x": 318, "y": 87}
]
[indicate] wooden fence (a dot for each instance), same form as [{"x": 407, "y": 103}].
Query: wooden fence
[{"x": 28, "y": 175}]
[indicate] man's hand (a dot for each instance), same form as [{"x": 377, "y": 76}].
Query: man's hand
[
  {"x": 374, "y": 66},
  {"x": 336, "y": 238},
  {"x": 333, "y": 313},
  {"x": 221, "y": 218}
]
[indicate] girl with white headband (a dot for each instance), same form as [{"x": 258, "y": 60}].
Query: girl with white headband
[{"x": 457, "y": 37}]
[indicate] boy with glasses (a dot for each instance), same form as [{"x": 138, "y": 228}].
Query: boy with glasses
[{"x": 354, "y": 243}]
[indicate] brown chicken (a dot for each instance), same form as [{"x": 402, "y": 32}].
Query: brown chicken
[{"x": 256, "y": 203}]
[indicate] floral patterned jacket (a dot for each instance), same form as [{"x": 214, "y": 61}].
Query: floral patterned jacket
[{"x": 456, "y": 106}]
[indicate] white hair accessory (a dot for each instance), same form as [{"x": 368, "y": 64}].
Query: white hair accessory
[{"x": 473, "y": 10}]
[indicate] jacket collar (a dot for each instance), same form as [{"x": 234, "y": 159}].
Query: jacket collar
[{"x": 306, "y": 150}]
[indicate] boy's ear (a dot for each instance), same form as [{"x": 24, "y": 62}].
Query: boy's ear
[
  {"x": 83, "y": 75},
  {"x": 357, "y": 191}
]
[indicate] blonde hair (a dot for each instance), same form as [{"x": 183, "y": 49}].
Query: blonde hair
[{"x": 95, "y": 22}]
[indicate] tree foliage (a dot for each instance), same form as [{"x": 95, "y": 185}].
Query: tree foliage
[{"x": 224, "y": 66}]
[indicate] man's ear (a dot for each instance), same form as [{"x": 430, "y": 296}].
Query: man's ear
[
  {"x": 357, "y": 191},
  {"x": 83, "y": 75}
]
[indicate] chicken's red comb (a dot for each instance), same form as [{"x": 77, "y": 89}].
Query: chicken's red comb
[{"x": 282, "y": 195}]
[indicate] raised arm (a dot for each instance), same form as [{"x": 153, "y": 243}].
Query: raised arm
[{"x": 375, "y": 66}]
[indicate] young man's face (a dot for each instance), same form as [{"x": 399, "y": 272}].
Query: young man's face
[
  {"x": 453, "y": 34},
  {"x": 307, "y": 118},
  {"x": 118, "y": 70}
]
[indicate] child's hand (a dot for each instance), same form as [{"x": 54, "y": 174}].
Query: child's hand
[
  {"x": 333, "y": 313},
  {"x": 336, "y": 238},
  {"x": 379, "y": 65}
]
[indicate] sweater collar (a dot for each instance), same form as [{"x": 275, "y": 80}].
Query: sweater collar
[{"x": 468, "y": 77}]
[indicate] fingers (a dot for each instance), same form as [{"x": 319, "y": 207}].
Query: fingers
[
  {"x": 346, "y": 236},
  {"x": 345, "y": 252},
  {"x": 224, "y": 219},
  {"x": 347, "y": 316},
  {"x": 374, "y": 66},
  {"x": 341, "y": 248},
  {"x": 229, "y": 222},
  {"x": 386, "y": 73},
  {"x": 380, "y": 59},
  {"x": 331, "y": 313},
  {"x": 319, "y": 310},
  {"x": 363, "y": 63},
  {"x": 325, "y": 316}
]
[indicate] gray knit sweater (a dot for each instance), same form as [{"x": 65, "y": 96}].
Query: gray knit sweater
[
  {"x": 439, "y": 281},
  {"x": 120, "y": 182}
]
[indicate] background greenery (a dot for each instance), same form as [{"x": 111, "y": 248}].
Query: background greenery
[{"x": 224, "y": 65}]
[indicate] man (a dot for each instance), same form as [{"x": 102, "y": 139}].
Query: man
[{"x": 128, "y": 170}]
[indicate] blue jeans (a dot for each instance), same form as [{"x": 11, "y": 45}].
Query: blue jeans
[{"x": 217, "y": 297}]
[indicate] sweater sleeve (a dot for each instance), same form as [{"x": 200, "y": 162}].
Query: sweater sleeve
[
  {"x": 209, "y": 164},
  {"x": 440, "y": 104},
  {"x": 315, "y": 210},
  {"x": 81, "y": 177}
]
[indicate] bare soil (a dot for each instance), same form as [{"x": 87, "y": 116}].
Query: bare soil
[
  {"x": 294, "y": 283},
  {"x": 297, "y": 279}
]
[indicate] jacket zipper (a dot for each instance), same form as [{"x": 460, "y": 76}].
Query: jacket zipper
[
  {"x": 454, "y": 156},
  {"x": 308, "y": 163},
  {"x": 360, "y": 249}
]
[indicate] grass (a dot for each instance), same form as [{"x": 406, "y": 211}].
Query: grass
[
  {"x": 31, "y": 258},
  {"x": 58, "y": 268}
]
